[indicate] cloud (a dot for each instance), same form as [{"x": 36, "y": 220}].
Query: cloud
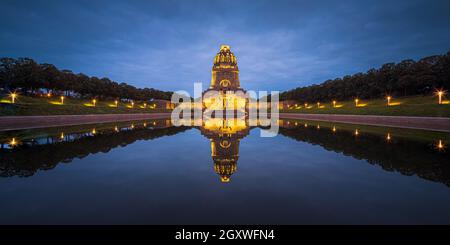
[{"x": 171, "y": 44}]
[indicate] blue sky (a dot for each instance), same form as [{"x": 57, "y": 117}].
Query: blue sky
[{"x": 169, "y": 45}]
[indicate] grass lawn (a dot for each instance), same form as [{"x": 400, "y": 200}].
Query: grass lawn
[
  {"x": 27, "y": 106},
  {"x": 403, "y": 106}
]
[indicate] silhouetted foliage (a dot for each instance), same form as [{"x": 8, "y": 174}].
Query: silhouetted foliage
[
  {"x": 26, "y": 160},
  {"x": 405, "y": 78},
  {"x": 30, "y": 77},
  {"x": 394, "y": 156}
]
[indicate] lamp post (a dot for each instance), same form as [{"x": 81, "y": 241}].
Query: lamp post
[
  {"x": 117, "y": 103},
  {"x": 94, "y": 102},
  {"x": 318, "y": 104},
  {"x": 440, "y": 93},
  {"x": 356, "y": 102},
  {"x": 388, "y": 100},
  {"x": 334, "y": 104},
  {"x": 62, "y": 100},
  {"x": 13, "y": 97}
]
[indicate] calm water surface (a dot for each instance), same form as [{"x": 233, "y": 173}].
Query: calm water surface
[{"x": 136, "y": 173}]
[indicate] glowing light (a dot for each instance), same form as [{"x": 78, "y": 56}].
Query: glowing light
[
  {"x": 440, "y": 145},
  {"x": 334, "y": 103},
  {"x": 116, "y": 129},
  {"x": 94, "y": 102},
  {"x": 318, "y": 104},
  {"x": 94, "y": 131},
  {"x": 334, "y": 129},
  {"x": 13, "y": 96},
  {"x": 356, "y": 132},
  {"x": 13, "y": 142},
  {"x": 440, "y": 93},
  {"x": 145, "y": 124},
  {"x": 116, "y": 103},
  {"x": 145, "y": 105},
  {"x": 388, "y": 137},
  {"x": 61, "y": 136},
  {"x": 306, "y": 125},
  {"x": 306, "y": 105},
  {"x": 49, "y": 95},
  {"x": 356, "y": 102},
  {"x": 318, "y": 126},
  {"x": 296, "y": 123},
  {"x": 132, "y": 104},
  {"x": 62, "y": 99},
  {"x": 132, "y": 126},
  {"x": 388, "y": 100}
]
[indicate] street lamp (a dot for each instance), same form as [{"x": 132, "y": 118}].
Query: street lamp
[
  {"x": 356, "y": 102},
  {"x": 389, "y": 100},
  {"x": 62, "y": 99},
  {"x": 13, "y": 97},
  {"x": 117, "y": 103},
  {"x": 334, "y": 103},
  {"x": 440, "y": 93},
  {"x": 94, "y": 101},
  {"x": 318, "y": 104}
]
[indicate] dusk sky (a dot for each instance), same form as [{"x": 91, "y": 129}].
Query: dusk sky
[{"x": 169, "y": 45}]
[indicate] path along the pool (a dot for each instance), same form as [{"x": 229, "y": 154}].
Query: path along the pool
[
  {"x": 27, "y": 122},
  {"x": 426, "y": 123}
]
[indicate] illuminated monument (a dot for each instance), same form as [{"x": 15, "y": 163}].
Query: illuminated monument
[
  {"x": 227, "y": 92},
  {"x": 227, "y": 95}
]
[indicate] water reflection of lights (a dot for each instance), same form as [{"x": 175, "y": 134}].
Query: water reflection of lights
[
  {"x": 13, "y": 142},
  {"x": 440, "y": 145}
]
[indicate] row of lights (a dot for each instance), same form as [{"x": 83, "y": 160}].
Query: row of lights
[
  {"x": 439, "y": 93},
  {"x": 439, "y": 145},
  {"x": 15, "y": 142},
  {"x": 14, "y": 95}
]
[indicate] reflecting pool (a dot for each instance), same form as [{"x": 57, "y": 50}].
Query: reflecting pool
[{"x": 149, "y": 172}]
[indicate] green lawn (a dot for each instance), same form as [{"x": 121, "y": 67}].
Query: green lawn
[
  {"x": 403, "y": 106},
  {"x": 28, "y": 106}
]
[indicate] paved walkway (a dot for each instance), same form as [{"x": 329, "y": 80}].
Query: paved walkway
[
  {"x": 427, "y": 123},
  {"x": 26, "y": 122}
]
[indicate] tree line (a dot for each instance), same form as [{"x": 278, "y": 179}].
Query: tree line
[
  {"x": 29, "y": 77},
  {"x": 406, "y": 78}
]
